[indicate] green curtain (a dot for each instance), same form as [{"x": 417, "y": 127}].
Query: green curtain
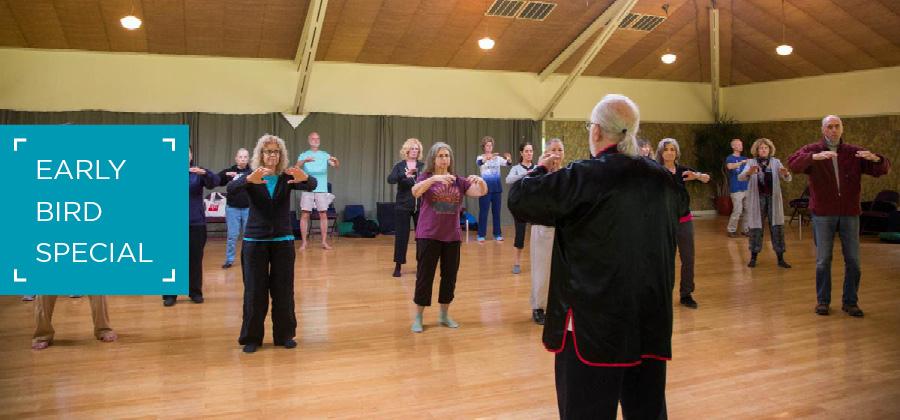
[{"x": 367, "y": 146}]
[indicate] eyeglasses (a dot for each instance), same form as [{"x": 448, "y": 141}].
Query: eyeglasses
[
  {"x": 272, "y": 152},
  {"x": 587, "y": 125}
]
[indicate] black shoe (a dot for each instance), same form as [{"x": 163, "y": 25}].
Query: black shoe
[
  {"x": 752, "y": 263},
  {"x": 396, "y": 270},
  {"x": 538, "y": 316},
  {"x": 734, "y": 235},
  {"x": 197, "y": 299},
  {"x": 226, "y": 265},
  {"x": 290, "y": 343},
  {"x": 852, "y": 310},
  {"x": 822, "y": 309},
  {"x": 783, "y": 264},
  {"x": 170, "y": 301},
  {"x": 250, "y": 348},
  {"x": 689, "y": 302}
]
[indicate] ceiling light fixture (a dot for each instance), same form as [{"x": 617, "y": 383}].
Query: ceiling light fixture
[
  {"x": 486, "y": 43},
  {"x": 131, "y": 22},
  {"x": 669, "y": 57},
  {"x": 784, "y": 48}
]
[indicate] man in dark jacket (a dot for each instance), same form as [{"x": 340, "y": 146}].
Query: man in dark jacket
[
  {"x": 835, "y": 169},
  {"x": 609, "y": 313},
  {"x": 237, "y": 208}
]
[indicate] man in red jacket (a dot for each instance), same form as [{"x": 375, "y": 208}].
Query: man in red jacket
[{"x": 835, "y": 169}]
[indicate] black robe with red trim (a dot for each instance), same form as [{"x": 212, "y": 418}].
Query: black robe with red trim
[{"x": 613, "y": 262}]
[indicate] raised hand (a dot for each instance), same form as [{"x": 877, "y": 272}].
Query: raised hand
[
  {"x": 784, "y": 171},
  {"x": 445, "y": 179},
  {"x": 550, "y": 160},
  {"x": 297, "y": 174},
  {"x": 256, "y": 177},
  {"x": 411, "y": 172},
  {"x": 753, "y": 169},
  {"x": 333, "y": 161},
  {"x": 507, "y": 156},
  {"x": 308, "y": 159},
  {"x": 197, "y": 170},
  {"x": 230, "y": 174},
  {"x": 867, "y": 155},
  {"x": 828, "y": 154}
]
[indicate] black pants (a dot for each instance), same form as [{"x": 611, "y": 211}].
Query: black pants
[
  {"x": 591, "y": 392},
  {"x": 196, "y": 244},
  {"x": 401, "y": 232},
  {"x": 268, "y": 270},
  {"x": 520, "y": 235},
  {"x": 428, "y": 252},
  {"x": 776, "y": 231},
  {"x": 684, "y": 237}
]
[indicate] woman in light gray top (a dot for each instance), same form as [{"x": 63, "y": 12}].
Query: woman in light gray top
[{"x": 526, "y": 164}]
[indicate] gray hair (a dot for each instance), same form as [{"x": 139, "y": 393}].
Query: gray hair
[
  {"x": 662, "y": 146},
  {"x": 241, "y": 150},
  {"x": 827, "y": 117},
  {"x": 432, "y": 154},
  {"x": 619, "y": 118},
  {"x": 256, "y": 161}
]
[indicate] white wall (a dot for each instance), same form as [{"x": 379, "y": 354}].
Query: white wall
[
  {"x": 44, "y": 80},
  {"x": 860, "y": 93}
]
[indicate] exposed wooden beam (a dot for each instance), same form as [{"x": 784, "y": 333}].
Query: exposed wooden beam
[
  {"x": 714, "y": 61},
  {"x": 306, "y": 50},
  {"x": 592, "y": 29},
  {"x": 622, "y": 9}
]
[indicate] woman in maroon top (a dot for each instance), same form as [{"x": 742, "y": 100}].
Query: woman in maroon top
[{"x": 437, "y": 234}]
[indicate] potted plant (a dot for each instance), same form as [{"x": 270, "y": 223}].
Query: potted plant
[{"x": 713, "y": 144}]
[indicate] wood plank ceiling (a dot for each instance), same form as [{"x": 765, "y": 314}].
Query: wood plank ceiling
[{"x": 828, "y": 36}]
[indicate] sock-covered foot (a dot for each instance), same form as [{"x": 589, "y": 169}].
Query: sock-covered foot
[
  {"x": 417, "y": 324},
  {"x": 517, "y": 269},
  {"x": 446, "y": 321}
]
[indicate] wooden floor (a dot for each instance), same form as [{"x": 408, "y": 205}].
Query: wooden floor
[{"x": 754, "y": 349}]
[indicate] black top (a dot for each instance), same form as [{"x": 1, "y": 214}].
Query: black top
[
  {"x": 405, "y": 199},
  {"x": 270, "y": 217},
  {"x": 239, "y": 200},
  {"x": 196, "y": 183},
  {"x": 764, "y": 177},
  {"x": 613, "y": 264},
  {"x": 678, "y": 176}
]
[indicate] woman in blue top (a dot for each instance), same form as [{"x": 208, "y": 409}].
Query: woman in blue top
[
  {"x": 267, "y": 254},
  {"x": 198, "y": 178},
  {"x": 490, "y": 164}
]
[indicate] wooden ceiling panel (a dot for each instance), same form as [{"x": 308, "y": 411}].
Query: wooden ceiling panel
[
  {"x": 796, "y": 61},
  {"x": 244, "y": 27},
  {"x": 282, "y": 24},
  {"x": 204, "y": 27},
  {"x": 10, "y": 35},
  {"x": 768, "y": 22},
  {"x": 680, "y": 42},
  {"x": 393, "y": 19},
  {"x": 431, "y": 15},
  {"x": 39, "y": 23},
  {"x": 83, "y": 25},
  {"x": 828, "y": 36},
  {"x": 463, "y": 21},
  {"x": 329, "y": 26},
  {"x": 164, "y": 20},
  {"x": 875, "y": 15},
  {"x": 121, "y": 39},
  {"x": 680, "y": 15},
  {"x": 353, "y": 28}
]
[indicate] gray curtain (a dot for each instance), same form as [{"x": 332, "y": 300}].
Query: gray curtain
[{"x": 367, "y": 146}]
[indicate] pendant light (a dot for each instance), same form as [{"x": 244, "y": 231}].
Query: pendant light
[
  {"x": 669, "y": 57},
  {"x": 784, "y": 48}
]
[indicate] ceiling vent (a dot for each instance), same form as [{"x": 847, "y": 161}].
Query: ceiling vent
[
  {"x": 505, "y": 8},
  {"x": 536, "y": 10},
  {"x": 641, "y": 22}
]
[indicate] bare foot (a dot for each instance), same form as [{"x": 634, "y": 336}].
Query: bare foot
[
  {"x": 40, "y": 345},
  {"x": 108, "y": 336},
  {"x": 302, "y": 246},
  {"x": 325, "y": 245}
]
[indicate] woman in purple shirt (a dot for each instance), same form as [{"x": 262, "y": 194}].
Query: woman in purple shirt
[{"x": 437, "y": 234}]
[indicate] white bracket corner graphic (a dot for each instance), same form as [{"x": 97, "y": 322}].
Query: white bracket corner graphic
[
  {"x": 170, "y": 279},
  {"x": 16, "y": 278},
  {"x": 16, "y": 142},
  {"x": 170, "y": 140}
]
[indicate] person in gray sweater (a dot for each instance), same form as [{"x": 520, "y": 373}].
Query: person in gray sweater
[{"x": 526, "y": 164}]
